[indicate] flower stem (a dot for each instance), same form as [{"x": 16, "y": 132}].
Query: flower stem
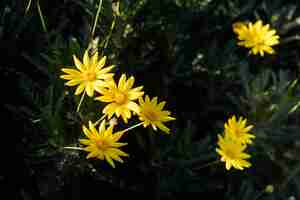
[
  {"x": 80, "y": 102},
  {"x": 99, "y": 120},
  {"x": 96, "y": 19},
  {"x": 75, "y": 148},
  {"x": 132, "y": 127},
  {"x": 110, "y": 32},
  {"x": 41, "y": 16},
  {"x": 208, "y": 164},
  {"x": 27, "y": 7}
]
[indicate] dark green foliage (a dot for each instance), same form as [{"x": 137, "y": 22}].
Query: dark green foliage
[{"x": 182, "y": 51}]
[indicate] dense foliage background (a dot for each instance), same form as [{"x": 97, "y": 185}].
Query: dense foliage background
[{"x": 184, "y": 52}]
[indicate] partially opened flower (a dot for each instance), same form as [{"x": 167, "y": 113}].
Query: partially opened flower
[
  {"x": 152, "y": 113},
  {"x": 238, "y": 130},
  {"x": 103, "y": 143},
  {"x": 257, "y": 37},
  {"x": 232, "y": 153},
  {"x": 89, "y": 75},
  {"x": 121, "y": 98}
]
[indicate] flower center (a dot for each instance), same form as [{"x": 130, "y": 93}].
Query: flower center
[
  {"x": 151, "y": 115},
  {"x": 89, "y": 76},
  {"x": 258, "y": 39},
  {"x": 102, "y": 144},
  {"x": 230, "y": 153},
  {"x": 237, "y": 131},
  {"x": 120, "y": 97}
]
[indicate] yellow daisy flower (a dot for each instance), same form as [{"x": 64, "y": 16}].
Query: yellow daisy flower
[
  {"x": 121, "y": 98},
  {"x": 232, "y": 154},
  {"x": 89, "y": 75},
  {"x": 103, "y": 144},
  {"x": 257, "y": 37},
  {"x": 151, "y": 113},
  {"x": 238, "y": 130}
]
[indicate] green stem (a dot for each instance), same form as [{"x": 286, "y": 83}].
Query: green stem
[
  {"x": 208, "y": 164},
  {"x": 27, "y": 7},
  {"x": 96, "y": 19},
  {"x": 99, "y": 120},
  {"x": 41, "y": 16},
  {"x": 75, "y": 148},
  {"x": 110, "y": 32},
  {"x": 132, "y": 127},
  {"x": 80, "y": 102}
]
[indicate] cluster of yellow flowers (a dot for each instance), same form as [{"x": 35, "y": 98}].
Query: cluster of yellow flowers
[
  {"x": 233, "y": 142},
  {"x": 257, "y": 37},
  {"x": 92, "y": 76},
  {"x": 124, "y": 100}
]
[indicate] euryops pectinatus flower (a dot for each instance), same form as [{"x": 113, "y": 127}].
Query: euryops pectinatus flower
[
  {"x": 257, "y": 37},
  {"x": 238, "y": 130},
  {"x": 232, "y": 154},
  {"x": 103, "y": 143},
  {"x": 152, "y": 113},
  {"x": 89, "y": 75},
  {"x": 231, "y": 146},
  {"x": 120, "y": 98}
]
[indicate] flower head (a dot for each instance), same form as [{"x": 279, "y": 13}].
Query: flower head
[
  {"x": 89, "y": 75},
  {"x": 120, "y": 98},
  {"x": 257, "y": 37},
  {"x": 152, "y": 113},
  {"x": 232, "y": 154},
  {"x": 238, "y": 130},
  {"x": 103, "y": 143}
]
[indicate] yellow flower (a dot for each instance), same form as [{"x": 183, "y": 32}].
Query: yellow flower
[
  {"x": 232, "y": 153},
  {"x": 238, "y": 25},
  {"x": 238, "y": 130},
  {"x": 257, "y": 37},
  {"x": 121, "y": 98},
  {"x": 103, "y": 144},
  {"x": 151, "y": 113},
  {"x": 89, "y": 75}
]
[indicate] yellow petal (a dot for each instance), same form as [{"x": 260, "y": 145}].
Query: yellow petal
[
  {"x": 92, "y": 128},
  {"x": 109, "y": 160},
  {"x": 105, "y": 98},
  {"x": 73, "y": 82},
  {"x": 106, "y": 69},
  {"x": 85, "y": 141},
  {"x": 133, "y": 106},
  {"x": 80, "y": 89},
  {"x": 228, "y": 165},
  {"x": 94, "y": 59},
  {"x": 86, "y": 132},
  {"x": 163, "y": 127},
  {"x": 102, "y": 127},
  {"x": 86, "y": 59},
  {"x": 122, "y": 82},
  {"x": 101, "y": 63},
  {"x": 73, "y": 72},
  {"x": 92, "y": 155},
  {"x": 129, "y": 83},
  {"x": 78, "y": 64},
  {"x": 89, "y": 89}
]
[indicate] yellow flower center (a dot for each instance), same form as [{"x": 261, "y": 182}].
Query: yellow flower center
[
  {"x": 151, "y": 115},
  {"x": 230, "y": 153},
  {"x": 258, "y": 39},
  {"x": 102, "y": 144},
  {"x": 89, "y": 76},
  {"x": 120, "y": 98},
  {"x": 238, "y": 131}
]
